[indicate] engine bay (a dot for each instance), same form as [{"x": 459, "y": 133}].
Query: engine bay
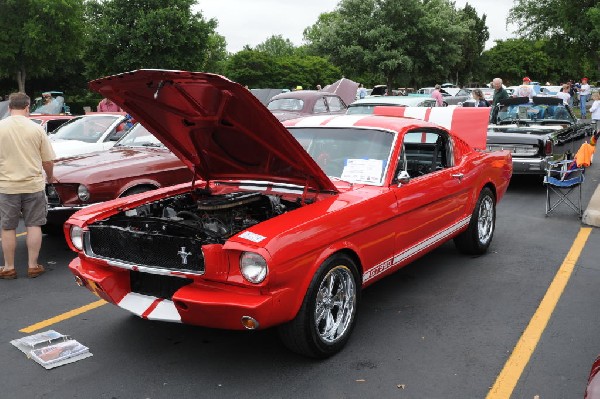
[{"x": 210, "y": 219}]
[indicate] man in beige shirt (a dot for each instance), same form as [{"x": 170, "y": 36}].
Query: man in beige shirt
[{"x": 25, "y": 154}]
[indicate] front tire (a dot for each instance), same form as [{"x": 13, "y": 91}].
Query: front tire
[
  {"x": 328, "y": 313},
  {"x": 478, "y": 236}
]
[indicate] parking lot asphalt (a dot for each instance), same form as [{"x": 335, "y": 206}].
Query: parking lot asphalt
[{"x": 440, "y": 328}]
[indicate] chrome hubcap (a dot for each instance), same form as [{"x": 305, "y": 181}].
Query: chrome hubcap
[
  {"x": 485, "y": 225},
  {"x": 336, "y": 300}
]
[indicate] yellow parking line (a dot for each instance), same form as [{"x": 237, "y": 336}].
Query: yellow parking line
[
  {"x": 62, "y": 317},
  {"x": 18, "y": 235},
  {"x": 510, "y": 374}
]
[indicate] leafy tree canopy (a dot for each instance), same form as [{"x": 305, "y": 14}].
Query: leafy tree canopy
[
  {"x": 276, "y": 46},
  {"x": 39, "y": 37},
  {"x": 572, "y": 26},
  {"x": 132, "y": 34},
  {"x": 259, "y": 69},
  {"x": 402, "y": 41},
  {"x": 513, "y": 59}
]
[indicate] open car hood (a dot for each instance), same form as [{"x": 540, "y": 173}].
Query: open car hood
[{"x": 218, "y": 128}]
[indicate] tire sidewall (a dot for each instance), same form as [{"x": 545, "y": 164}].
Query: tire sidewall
[
  {"x": 323, "y": 349},
  {"x": 481, "y": 246}
]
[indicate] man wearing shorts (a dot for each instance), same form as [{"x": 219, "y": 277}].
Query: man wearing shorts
[{"x": 25, "y": 154}]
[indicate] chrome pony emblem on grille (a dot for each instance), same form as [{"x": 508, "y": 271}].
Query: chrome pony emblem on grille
[{"x": 184, "y": 255}]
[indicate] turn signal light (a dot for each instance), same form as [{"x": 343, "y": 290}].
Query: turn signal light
[{"x": 249, "y": 322}]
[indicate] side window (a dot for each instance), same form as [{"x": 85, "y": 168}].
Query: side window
[
  {"x": 335, "y": 104},
  {"x": 320, "y": 106},
  {"x": 426, "y": 151}
]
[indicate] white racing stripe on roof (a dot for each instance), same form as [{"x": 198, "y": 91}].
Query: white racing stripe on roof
[
  {"x": 442, "y": 116},
  {"x": 415, "y": 112}
]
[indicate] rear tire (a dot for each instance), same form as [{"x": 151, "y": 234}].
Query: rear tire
[
  {"x": 328, "y": 313},
  {"x": 478, "y": 236}
]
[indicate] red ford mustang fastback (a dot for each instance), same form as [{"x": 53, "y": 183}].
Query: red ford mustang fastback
[{"x": 282, "y": 226}]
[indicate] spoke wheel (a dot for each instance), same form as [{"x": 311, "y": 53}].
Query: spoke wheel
[
  {"x": 336, "y": 299},
  {"x": 485, "y": 222},
  {"x": 478, "y": 236},
  {"x": 327, "y": 316}
]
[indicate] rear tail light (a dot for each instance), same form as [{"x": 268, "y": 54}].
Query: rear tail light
[{"x": 548, "y": 147}]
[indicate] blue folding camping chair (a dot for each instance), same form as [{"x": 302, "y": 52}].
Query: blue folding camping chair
[{"x": 562, "y": 180}]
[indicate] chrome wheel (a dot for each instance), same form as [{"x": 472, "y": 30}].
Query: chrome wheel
[
  {"x": 485, "y": 220},
  {"x": 335, "y": 303}
]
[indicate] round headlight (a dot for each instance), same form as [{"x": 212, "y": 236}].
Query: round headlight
[
  {"x": 83, "y": 193},
  {"x": 77, "y": 237},
  {"x": 253, "y": 267}
]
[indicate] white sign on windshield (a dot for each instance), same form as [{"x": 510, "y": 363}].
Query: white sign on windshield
[{"x": 363, "y": 171}]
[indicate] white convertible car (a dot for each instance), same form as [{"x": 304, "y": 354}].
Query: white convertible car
[{"x": 88, "y": 133}]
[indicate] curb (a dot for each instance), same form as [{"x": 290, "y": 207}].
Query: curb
[{"x": 591, "y": 216}]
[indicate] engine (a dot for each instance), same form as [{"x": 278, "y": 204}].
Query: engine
[{"x": 209, "y": 219}]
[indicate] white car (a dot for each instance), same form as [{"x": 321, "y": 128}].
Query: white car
[
  {"x": 88, "y": 133},
  {"x": 366, "y": 105}
]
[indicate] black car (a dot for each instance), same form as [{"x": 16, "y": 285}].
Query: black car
[{"x": 534, "y": 131}]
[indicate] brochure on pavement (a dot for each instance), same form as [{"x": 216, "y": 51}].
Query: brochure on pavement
[{"x": 51, "y": 349}]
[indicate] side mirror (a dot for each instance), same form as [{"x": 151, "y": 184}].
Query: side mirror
[{"x": 403, "y": 177}]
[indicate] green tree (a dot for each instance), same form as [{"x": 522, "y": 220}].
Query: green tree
[
  {"x": 574, "y": 27},
  {"x": 473, "y": 44},
  {"x": 39, "y": 37},
  {"x": 132, "y": 34},
  {"x": 217, "y": 55},
  {"x": 250, "y": 67},
  {"x": 259, "y": 69},
  {"x": 401, "y": 41},
  {"x": 276, "y": 46},
  {"x": 514, "y": 58}
]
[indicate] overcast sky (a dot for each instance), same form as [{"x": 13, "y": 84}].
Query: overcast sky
[{"x": 244, "y": 22}]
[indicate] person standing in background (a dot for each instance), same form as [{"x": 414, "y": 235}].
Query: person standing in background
[
  {"x": 25, "y": 155},
  {"x": 525, "y": 90},
  {"x": 564, "y": 94},
  {"x": 480, "y": 100},
  {"x": 106, "y": 105},
  {"x": 584, "y": 93},
  {"x": 595, "y": 110},
  {"x": 499, "y": 92},
  {"x": 437, "y": 94}
]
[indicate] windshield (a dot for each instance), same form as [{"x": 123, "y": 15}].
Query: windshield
[
  {"x": 286, "y": 104},
  {"x": 350, "y": 154},
  {"x": 534, "y": 112},
  {"x": 89, "y": 129},
  {"x": 139, "y": 136}
]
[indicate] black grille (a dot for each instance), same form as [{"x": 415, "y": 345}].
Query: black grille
[
  {"x": 146, "y": 248},
  {"x": 155, "y": 285}
]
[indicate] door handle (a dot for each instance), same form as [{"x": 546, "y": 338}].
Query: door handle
[{"x": 458, "y": 176}]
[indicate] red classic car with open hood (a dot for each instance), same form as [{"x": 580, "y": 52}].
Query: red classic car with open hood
[{"x": 282, "y": 226}]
